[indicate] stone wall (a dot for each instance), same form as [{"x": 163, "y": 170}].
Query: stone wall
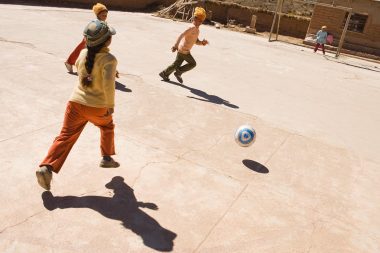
[
  {"x": 299, "y": 7},
  {"x": 291, "y": 26}
]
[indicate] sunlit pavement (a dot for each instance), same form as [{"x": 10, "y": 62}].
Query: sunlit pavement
[{"x": 308, "y": 183}]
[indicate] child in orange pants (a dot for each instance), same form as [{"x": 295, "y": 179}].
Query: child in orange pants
[{"x": 92, "y": 100}]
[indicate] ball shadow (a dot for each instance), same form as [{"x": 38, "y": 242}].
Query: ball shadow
[{"x": 255, "y": 166}]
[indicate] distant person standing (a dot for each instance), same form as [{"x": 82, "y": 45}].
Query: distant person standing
[
  {"x": 183, "y": 45},
  {"x": 92, "y": 100},
  {"x": 101, "y": 13},
  {"x": 321, "y": 39}
]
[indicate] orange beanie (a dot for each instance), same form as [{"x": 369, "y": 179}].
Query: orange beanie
[
  {"x": 200, "y": 13},
  {"x": 98, "y": 8}
]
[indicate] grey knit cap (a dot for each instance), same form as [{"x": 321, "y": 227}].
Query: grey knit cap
[{"x": 97, "y": 32}]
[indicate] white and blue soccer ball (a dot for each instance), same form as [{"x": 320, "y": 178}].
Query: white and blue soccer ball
[{"x": 245, "y": 136}]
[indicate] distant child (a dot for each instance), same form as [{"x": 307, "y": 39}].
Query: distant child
[
  {"x": 321, "y": 39},
  {"x": 101, "y": 13},
  {"x": 184, "y": 44}
]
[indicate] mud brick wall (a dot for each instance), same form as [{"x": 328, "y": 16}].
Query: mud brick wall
[
  {"x": 289, "y": 26},
  {"x": 367, "y": 41},
  {"x": 330, "y": 17}
]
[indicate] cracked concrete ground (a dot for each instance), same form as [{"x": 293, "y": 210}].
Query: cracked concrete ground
[{"x": 308, "y": 184}]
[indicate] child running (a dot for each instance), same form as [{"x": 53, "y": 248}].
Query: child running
[
  {"x": 101, "y": 13},
  {"x": 92, "y": 100},
  {"x": 184, "y": 44}
]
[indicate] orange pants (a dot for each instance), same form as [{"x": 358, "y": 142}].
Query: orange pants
[
  {"x": 74, "y": 55},
  {"x": 76, "y": 118}
]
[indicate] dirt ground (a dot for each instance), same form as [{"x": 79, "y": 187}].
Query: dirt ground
[
  {"x": 299, "y": 42},
  {"x": 309, "y": 183}
]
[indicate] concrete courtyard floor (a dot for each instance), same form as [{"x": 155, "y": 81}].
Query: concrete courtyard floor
[{"x": 308, "y": 183}]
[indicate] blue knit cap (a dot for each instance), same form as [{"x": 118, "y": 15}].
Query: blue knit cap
[{"x": 97, "y": 32}]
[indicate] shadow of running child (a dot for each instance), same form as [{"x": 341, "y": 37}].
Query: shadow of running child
[
  {"x": 123, "y": 206},
  {"x": 205, "y": 97}
]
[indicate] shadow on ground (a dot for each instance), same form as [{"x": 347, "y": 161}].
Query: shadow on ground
[
  {"x": 123, "y": 206},
  {"x": 121, "y": 87},
  {"x": 255, "y": 166},
  {"x": 206, "y": 97},
  {"x": 366, "y": 67}
]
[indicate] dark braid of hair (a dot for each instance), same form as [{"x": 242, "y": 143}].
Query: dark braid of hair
[{"x": 90, "y": 58}]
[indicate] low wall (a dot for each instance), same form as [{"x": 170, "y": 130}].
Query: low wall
[
  {"x": 128, "y": 5},
  {"x": 290, "y": 25},
  {"x": 221, "y": 12}
]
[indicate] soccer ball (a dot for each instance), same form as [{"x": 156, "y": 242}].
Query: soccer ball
[{"x": 245, "y": 136}]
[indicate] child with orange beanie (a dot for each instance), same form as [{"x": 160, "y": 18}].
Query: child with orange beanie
[
  {"x": 101, "y": 13},
  {"x": 183, "y": 45}
]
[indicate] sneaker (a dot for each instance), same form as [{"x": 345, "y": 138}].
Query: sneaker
[
  {"x": 69, "y": 67},
  {"x": 164, "y": 77},
  {"x": 111, "y": 163},
  {"x": 44, "y": 177},
  {"x": 178, "y": 76}
]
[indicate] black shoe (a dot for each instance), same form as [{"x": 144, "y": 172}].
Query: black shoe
[
  {"x": 178, "y": 76},
  {"x": 164, "y": 77}
]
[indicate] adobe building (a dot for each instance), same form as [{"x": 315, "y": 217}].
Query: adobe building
[{"x": 363, "y": 33}]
